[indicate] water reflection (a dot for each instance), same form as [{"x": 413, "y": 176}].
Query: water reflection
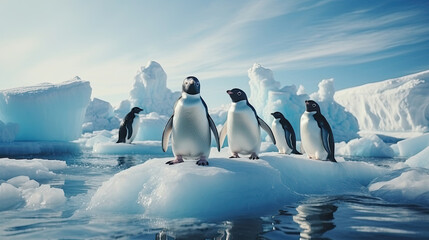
[
  {"x": 126, "y": 162},
  {"x": 249, "y": 228},
  {"x": 315, "y": 219}
]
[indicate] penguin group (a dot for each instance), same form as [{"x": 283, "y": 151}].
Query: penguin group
[{"x": 190, "y": 127}]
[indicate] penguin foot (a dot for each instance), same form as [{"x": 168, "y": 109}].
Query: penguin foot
[
  {"x": 178, "y": 159},
  {"x": 235, "y": 155},
  {"x": 202, "y": 162},
  {"x": 253, "y": 156}
]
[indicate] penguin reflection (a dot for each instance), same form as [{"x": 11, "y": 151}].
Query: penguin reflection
[{"x": 315, "y": 219}]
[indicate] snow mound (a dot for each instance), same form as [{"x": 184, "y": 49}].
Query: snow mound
[
  {"x": 99, "y": 116},
  {"x": 412, "y": 146},
  {"x": 400, "y": 104},
  {"x": 228, "y": 187},
  {"x": 20, "y": 187},
  {"x": 137, "y": 147},
  {"x": 8, "y": 132},
  {"x": 403, "y": 186},
  {"x": 267, "y": 97},
  {"x": 150, "y": 92},
  {"x": 369, "y": 146},
  {"x": 47, "y": 112}
]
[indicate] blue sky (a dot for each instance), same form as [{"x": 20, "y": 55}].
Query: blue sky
[{"x": 303, "y": 42}]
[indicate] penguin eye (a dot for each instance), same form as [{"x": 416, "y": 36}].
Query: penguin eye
[
  {"x": 198, "y": 84},
  {"x": 314, "y": 105},
  {"x": 239, "y": 93}
]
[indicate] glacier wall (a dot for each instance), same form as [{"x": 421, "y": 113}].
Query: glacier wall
[{"x": 394, "y": 105}]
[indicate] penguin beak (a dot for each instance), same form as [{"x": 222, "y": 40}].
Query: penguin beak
[{"x": 229, "y": 92}]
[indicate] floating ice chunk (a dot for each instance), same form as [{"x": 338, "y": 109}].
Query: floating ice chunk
[
  {"x": 412, "y": 146},
  {"x": 400, "y": 104},
  {"x": 421, "y": 159},
  {"x": 369, "y": 146},
  {"x": 99, "y": 116},
  {"x": 403, "y": 186},
  {"x": 47, "y": 112},
  {"x": 37, "y": 169},
  {"x": 44, "y": 196},
  {"x": 10, "y": 197},
  {"x": 227, "y": 187}
]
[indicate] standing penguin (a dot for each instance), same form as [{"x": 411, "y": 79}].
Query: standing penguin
[
  {"x": 242, "y": 126},
  {"x": 284, "y": 133},
  {"x": 190, "y": 126},
  {"x": 129, "y": 126},
  {"x": 317, "y": 139}
]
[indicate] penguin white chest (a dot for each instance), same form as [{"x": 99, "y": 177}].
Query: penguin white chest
[
  {"x": 135, "y": 126},
  {"x": 244, "y": 134},
  {"x": 311, "y": 139},
  {"x": 279, "y": 134},
  {"x": 190, "y": 133}
]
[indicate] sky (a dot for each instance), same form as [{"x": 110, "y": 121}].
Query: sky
[{"x": 302, "y": 42}]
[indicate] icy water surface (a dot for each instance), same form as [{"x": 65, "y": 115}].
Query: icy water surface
[{"x": 316, "y": 216}]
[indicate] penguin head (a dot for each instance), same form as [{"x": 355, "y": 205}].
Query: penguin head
[
  {"x": 136, "y": 110},
  {"x": 237, "y": 94},
  {"x": 277, "y": 115},
  {"x": 191, "y": 85},
  {"x": 312, "y": 106}
]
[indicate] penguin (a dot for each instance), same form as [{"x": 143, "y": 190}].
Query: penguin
[
  {"x": 284, "y": 134},
  {"x": 129, "y": 126},
  {"x": 243, "y": 126},
  {"x": 190, "y": 126},
  {"x": 317, "y": 139}
]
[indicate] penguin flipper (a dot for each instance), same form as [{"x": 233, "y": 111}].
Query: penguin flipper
[
  {"x": 327, "y": 136},
  {"x": 289, "y": 139},
  {"x": 214, "y": 130},
  {"x": 266, "y": 129},
  {"x": 166, "y": 133},
  {"x": 223, "y": 132},
  {"x": 129, "y": 129}
]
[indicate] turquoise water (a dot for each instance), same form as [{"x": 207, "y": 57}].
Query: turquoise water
[{"x": 316, "y": 216}]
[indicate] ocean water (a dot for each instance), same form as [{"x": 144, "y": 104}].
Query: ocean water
[{"x": 314, "y": 217}]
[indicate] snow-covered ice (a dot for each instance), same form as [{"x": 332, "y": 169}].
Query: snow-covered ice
[
  {"x": 46, "y": 112},
  {"x": 394, "y": 105},
  {"x": 403, "y": 186},
  {"x": 227, "y": 187}
]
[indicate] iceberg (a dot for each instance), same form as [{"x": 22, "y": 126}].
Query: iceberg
[
  {"x": 46, "y": 112},
  {"x": 99, "y": 116},
  {"x": 150, "y": 92},
  {"x": 394, "y": 105},
  {"x": 421, "y": 159},
  {"x": 369, "y": 146},
  {"x": 8, "y": 132},
  {"x": 267, "y": 97},
  {"x": 411, "y": 146}
]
